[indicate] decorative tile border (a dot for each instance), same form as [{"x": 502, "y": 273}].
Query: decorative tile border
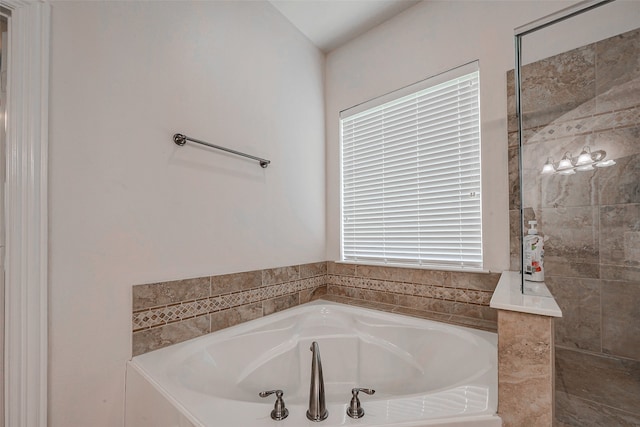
[
  {"x": 159, "y": 316},
  {"x": 470, "y": 296}
]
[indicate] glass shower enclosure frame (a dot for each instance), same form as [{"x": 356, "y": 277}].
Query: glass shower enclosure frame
[{"x": 520, "y": 33}]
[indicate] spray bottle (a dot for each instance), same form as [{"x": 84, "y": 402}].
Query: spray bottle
[{"x": 533, "y": 254}]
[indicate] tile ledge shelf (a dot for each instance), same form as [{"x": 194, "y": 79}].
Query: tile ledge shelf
[{"x": 507, "y": 296}]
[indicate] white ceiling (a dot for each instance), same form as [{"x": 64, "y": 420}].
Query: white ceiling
[{"x": 330, "y": 23}]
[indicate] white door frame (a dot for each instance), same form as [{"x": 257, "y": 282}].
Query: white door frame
[{"x": 25, "y": 205}]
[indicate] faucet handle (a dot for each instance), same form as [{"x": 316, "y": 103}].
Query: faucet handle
[
  {"x": 279, "y": 411},
  {"x": 355, "y": 410}
]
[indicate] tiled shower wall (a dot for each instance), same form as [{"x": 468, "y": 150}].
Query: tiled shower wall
[
  {"x": 170, "y": 312},
  {"x": 586, "y": 96}
]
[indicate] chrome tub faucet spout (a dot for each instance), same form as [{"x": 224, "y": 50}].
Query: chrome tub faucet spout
[{"x": 317, "y": 407}]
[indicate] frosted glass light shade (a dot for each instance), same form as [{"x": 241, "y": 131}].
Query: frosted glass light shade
[
  {"x": 606, "y": 163},
  {"x": 584, "y": 158},
  {"x": 565, "y": 163},
  {"x": 587, "y": 167},
  {"x": 548, "y": 167}
]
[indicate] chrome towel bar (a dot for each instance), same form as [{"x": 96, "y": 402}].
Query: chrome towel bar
[{"x": 181, "y": 139}]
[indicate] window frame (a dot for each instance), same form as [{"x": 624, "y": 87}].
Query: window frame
[{"x": 444, "y": 77}]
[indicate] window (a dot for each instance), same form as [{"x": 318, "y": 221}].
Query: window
[{"x": 411, "y": 175}]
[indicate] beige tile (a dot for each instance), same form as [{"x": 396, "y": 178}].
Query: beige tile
[
  {"x": 618, "y": 62},
  {"x": 569, "y": 268},
  {"x": 515, "y": 242},
  {"x": 273, "y": 276},
  {"x": 425, "y": 290},
  {"x": 622, "y": 142},
  {"x": 514, "y": 178},
  {"x": 431, "y": 277},
  {"x": 473, "y": 297},
  {"x": 618, "y": 272},
  {"x": 233, "y": 316},
  {"x": 512, "y": 118},
  {"x": 280, "y": 303},
  {"x": 573, "y": 411},
  {"x": 473, "y": 311},
  {"x": 307, "y": 295},
  {"x": 572, "y": 234},
  {"x": 341, "y": 269},
  {"x": 373, "y": 305},
  {"x": 621, "y": 319},
  {"x": 164, "y": 293},
  {"x": 620, "y": 183},
  {"x": 485, "y": 325},
  {"x": 235, "y": 282},
  {"x": 152, "y": 339},
  {"x": 448, "y": 294},
  {"x": 525, "y": 369},
  {"x": 547, "y": 98},
  {"x": 580, "y": 189},
  {"x": 620, "y": 235},
  {"x": 384, "y": 273},
  {"x": 313, "y": 269},
  {"x": 439, "y": 317},
  {"x": 579, "y": 300},
  {"x": 425, "y": 304},
  {"x": 336, "y": 290},
  {"x": 604, "y": 379},
  {"x": 479, "y": 281},
  {"x": 530, "y": 406}
]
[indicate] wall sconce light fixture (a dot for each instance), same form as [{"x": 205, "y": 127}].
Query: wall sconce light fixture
[{"x": 585, "y": 161}]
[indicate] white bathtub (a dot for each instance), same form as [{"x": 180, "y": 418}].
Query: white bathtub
[{"x": 425, "y": 373}]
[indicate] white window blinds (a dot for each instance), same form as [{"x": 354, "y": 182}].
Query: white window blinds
[{"x": 411, "y": 176}]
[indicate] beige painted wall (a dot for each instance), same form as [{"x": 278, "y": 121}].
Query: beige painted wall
[
  {"x": 433, "y": 37},
  {"x": 128, "y": 206}
]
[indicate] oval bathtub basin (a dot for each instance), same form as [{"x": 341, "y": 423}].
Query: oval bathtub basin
[{"x": 424, "y": 372}]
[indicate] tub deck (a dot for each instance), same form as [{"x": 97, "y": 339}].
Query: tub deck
[{"x": 425, "y": 373}]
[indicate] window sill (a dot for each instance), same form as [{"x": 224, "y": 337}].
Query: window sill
[{"x": 417, "y": 267}]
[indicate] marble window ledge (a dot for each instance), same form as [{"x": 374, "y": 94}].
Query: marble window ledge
[{"x": 507, "y": 296}]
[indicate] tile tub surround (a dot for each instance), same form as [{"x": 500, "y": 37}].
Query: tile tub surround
[
  {"x": 525, "y": 369},
  {"x": 454, "y": 297},
  {"x": 592, "y": 219},
  {"x": 170, "y": 312}
]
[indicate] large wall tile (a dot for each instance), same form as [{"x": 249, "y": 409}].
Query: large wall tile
[
  {"x": 234, "y": 282},
  {"x": 515, "y": 241},
  {"x": 313, "y": 269},
  {"x": 280, "y": 303},
  {"x": 616, "y": 272},
  {"x": 163, "y": 293},
  {"x": 620, "y": 183},
  {"x": 556, "y": 88},
  {"x": 579, "y": 300},
  {"x": 173, "y": 333},
  {"x": 273, "y": 276},
  {"x": 621, "y": 319},
  {"x": 564, "y": 268},
  {"x": 609, "y": 381},
  {"x": 312, "y": 294},
  {"x": 514, "y": 178},
  {"x": 575, "y": 411},
  {"x": 580, "y": 189},
  {"x": 618, "y": 65},
  {"x": 572, "y": 234},
  {"x": 341, "y": 268},
  {"x": 233, "y": 316},
  {"x": 620, "y": 235}
]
